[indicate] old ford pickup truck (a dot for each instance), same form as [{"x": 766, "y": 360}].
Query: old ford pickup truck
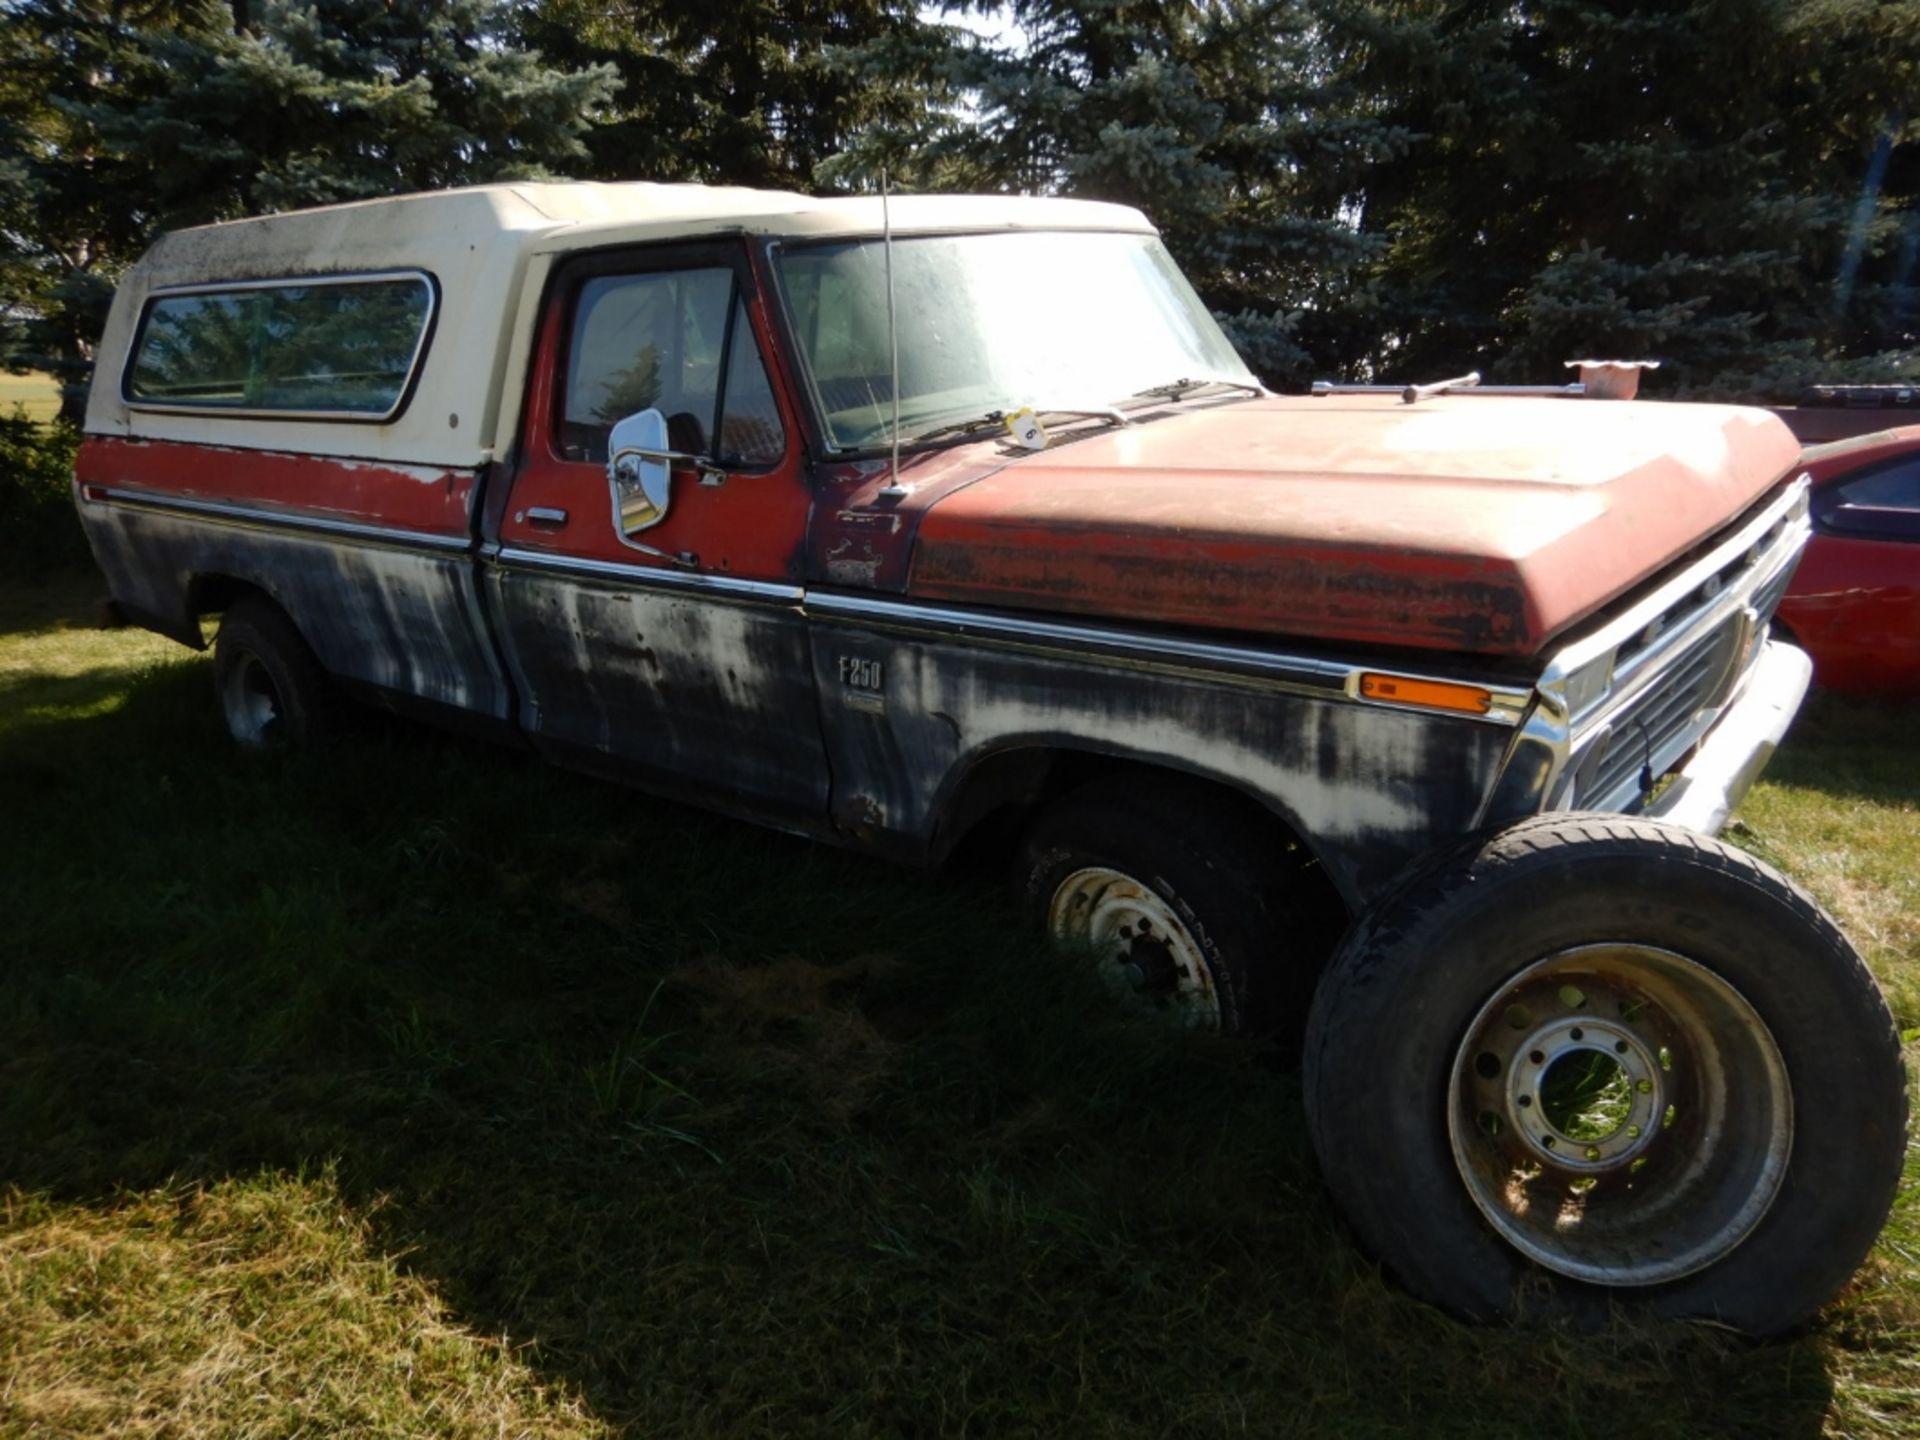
[{"x": 1407, "y": 725}]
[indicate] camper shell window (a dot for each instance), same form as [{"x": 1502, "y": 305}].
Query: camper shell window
[{"x": 319, "y": 347}]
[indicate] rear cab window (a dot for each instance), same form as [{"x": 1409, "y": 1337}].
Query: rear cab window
[{"x": 321, "y": 347}]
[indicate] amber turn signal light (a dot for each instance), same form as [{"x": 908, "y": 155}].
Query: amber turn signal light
[{"x": 1432, "y": 694}]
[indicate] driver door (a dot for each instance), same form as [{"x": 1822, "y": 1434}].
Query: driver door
[{"x": 676, "y": 656}]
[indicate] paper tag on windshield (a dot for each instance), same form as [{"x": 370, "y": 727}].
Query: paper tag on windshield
[{"x": 1026, "y": 429}]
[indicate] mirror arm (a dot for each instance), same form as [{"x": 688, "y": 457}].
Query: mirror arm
[
  {"x": 699, "y": 463},
  {"x": 686, "y": 559}
]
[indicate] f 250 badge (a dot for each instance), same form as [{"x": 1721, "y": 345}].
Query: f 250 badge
[{"x": 861, "y": 684}]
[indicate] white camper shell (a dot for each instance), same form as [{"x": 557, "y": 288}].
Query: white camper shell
[{"x": 487, "y": 252}]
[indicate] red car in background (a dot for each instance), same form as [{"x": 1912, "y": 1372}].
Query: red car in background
[{"x": 1854, "y": 604}]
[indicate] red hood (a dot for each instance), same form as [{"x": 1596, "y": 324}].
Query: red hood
[{"x": 1479, "y": 524}]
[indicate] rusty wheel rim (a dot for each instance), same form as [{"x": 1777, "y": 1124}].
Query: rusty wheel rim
[
  {"x": 1142, "y": 948},
  {"x": 1620, "y": 1114}
]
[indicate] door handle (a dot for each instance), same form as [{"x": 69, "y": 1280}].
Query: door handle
[{"x": 546, "y": 515}]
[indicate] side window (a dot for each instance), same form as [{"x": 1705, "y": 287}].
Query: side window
[
  {"x": 337, "y": 348},
  {"x": 645, "y": 342},
  {"x": 659, "y": 341}
]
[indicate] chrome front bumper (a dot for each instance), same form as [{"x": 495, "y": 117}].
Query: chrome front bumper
[{"x": 1704, "y": 791}]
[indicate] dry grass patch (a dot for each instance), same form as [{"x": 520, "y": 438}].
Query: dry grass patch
[{"x": 250, "y": 1308}]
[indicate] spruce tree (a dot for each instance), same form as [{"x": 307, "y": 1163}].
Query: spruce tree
[
  {"x": 1220, "y": 120},
  {"x": 1691, "y": 183},
  {"x": 753, "y": 92},
  {"x": 72, "y": 200},
  {"x": 138, "y": 118}
]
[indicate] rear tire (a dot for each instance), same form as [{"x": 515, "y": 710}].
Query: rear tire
[
  {"x": 1595, "y": 1062},
  {"x": 1193, "y": 904},
  {"x": 272, "y": 690}
]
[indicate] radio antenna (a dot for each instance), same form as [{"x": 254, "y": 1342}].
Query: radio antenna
[{"x": 894, "y": 489}]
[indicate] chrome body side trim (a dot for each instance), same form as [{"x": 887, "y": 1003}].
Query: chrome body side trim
[
  {"x": 719, "y": 586},
  {"x": 1317, "y": 677},
  {"x": 1308, "y": 675},
  {"x": 225, "y": 513}
]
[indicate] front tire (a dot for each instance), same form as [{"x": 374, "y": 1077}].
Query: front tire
[
  {"x": 1193, "y": 904},
  {"x": 1607, "y": 1062}
]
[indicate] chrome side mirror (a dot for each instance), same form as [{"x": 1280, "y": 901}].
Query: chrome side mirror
[{"x": 637, "y": 458}]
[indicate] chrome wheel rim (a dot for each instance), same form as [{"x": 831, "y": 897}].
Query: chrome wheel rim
[
  {"x": 1142, "y": 948},
  {"x": 252, "y": 702},
  {"x": 1620, "y": 1114}
]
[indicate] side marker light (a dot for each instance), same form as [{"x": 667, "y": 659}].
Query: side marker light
[{"x": 1429, "y": 694}]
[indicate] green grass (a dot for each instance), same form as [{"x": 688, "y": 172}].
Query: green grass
[
  {"x": 37, "y": 394},
  {"x": 417, "y": 1089}
]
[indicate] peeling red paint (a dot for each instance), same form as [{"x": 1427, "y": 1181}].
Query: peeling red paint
[
  {"x": 1472, "y": 524},
  {"x": 863, "y": 539},
  {"x": 433, "y": 501}
]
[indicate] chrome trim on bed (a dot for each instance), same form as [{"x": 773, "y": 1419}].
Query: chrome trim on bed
[{"x": 225, "y": 513}]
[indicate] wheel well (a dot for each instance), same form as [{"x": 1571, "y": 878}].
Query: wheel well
[
  {"x": 212, "y": 594},
  {"x": 202, "y": 595},
  {"x": 1000, "y": 793},
  {"x": 997, "y": 798}
]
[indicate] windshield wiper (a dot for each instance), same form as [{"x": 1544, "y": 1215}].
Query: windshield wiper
[
  {"x": 992, "y": 420},
  {"x": 997, "y": 419},
  {"x": 1178, "y": 390}
]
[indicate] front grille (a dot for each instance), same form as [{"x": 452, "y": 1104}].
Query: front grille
[
  {"x": 1767, "y": 599},
  {"x": 1642, "y": 691},
  {"x": 1656, "y": 728},
  {"x": 1686, "y": 608}
]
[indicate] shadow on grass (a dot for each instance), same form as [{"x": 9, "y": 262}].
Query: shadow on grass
[
  {"x": 32, "y": 697},
  {"x": 734, "y": 1134},
  {"x": 56, "y": 594}
]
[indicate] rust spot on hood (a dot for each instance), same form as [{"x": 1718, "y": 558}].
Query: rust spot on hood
[{"x": 1472, "y": 524}]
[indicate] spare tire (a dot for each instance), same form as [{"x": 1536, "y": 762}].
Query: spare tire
[{"x": 1606, "y": 1062}]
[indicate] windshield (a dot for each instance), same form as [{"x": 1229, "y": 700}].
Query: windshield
[{"x": 1047, "y": 319}]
